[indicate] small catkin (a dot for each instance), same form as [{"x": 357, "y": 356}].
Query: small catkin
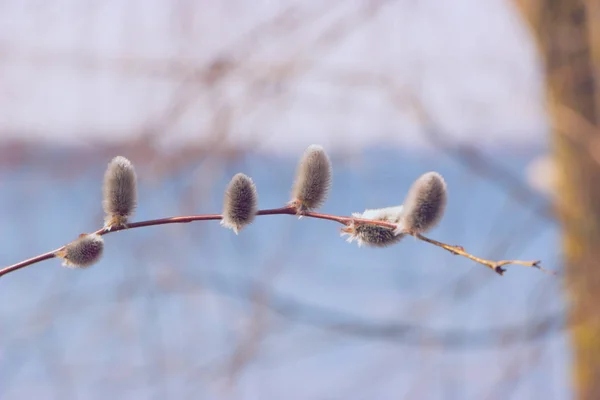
[
  {"x": 119, "y": 192},
  {"x": 82, "y": 252},
  {"x": 371, "y": 235},
  {"x": 425, "y": 203},
  {"x": 313, "y": 179},
  {"x": 241, "y": 203},
  {"x": 375, "y": 235}
]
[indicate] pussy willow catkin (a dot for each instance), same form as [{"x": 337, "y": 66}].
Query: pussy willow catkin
[
  {"x": 372, "y": 235},
  {"x": 425, "y": 203},
  {"x": 313, "y": 179},
  {"x": 240, "y": 204},
  {"x": 82, "y": 252},
  {"x": 119, "y": 192}
]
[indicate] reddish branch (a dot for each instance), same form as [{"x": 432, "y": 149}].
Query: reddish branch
[{"x": 496, "y": 266}]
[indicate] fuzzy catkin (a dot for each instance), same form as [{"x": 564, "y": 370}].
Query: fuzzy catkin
[
  {"x": 241, "y": 203},
  {"x": 119, "y": 192},
  {"x": 82, "y": 252},
  {"x": 375, "y": 235},
  {"x": 313, "y": 179},
  {"x": 425, "y": 203}
]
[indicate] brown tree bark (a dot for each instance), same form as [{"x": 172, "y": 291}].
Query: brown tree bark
[{"x": 568, "y": 35}]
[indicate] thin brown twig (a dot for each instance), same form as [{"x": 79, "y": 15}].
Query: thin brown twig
[{"x": 496, "y": 266}]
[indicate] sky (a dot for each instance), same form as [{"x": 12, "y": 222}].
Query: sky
[
  {"x": 163, "y": 312},
  {"x": 275, "y": 76},
  {"x": 344, "y": 74}
]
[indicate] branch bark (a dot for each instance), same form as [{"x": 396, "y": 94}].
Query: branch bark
[{"x": 496, "y": 266}]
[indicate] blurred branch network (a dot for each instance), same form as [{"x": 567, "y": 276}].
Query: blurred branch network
[{"x": 260, "y": 326}]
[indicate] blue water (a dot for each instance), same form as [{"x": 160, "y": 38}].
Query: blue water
[{"x": 162, "y": 313}]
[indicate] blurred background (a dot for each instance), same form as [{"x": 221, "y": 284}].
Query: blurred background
[{"x": 501, "y": 97}]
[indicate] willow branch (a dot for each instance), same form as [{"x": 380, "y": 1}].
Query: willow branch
[{"x": 496, "y": 266}]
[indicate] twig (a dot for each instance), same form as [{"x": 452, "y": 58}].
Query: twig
[{"x": 496, "y": 266}]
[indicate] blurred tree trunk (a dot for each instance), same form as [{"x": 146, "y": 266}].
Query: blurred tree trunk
[{"x": 568, "y": 36}]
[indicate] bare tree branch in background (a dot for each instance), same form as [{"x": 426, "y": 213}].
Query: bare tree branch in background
[
  {"x": 233, "y": 62},
  {"x": 403, "y": 333}
]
